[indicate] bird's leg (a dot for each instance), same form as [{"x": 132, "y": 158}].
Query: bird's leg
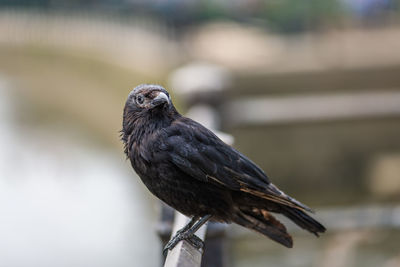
[
  {"x": 174, "y": 240},
  {"x": 187, "y": 226},
  {"x": 188, "y": 233}
]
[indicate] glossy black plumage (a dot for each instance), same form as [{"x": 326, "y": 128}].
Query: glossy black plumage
[{"x": 192, "y": 170}]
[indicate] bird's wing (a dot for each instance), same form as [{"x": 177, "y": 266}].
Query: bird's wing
[{"x": 198, "y": 152}]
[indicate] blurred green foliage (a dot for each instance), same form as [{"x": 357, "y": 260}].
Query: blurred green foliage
[
  {"x": 294, "y": 16},
  {"x": 279, "y": 15}
]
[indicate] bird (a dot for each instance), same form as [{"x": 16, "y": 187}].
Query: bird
[{"x": 188, "y": 167}]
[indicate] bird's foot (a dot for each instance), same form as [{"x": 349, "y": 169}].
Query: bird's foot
[{"x": 193, "y": 239}]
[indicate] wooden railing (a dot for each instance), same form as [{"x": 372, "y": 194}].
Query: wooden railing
[{"x": 184, "y": 254}]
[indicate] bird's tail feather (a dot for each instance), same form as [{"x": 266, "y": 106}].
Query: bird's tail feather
[
  {"x": 303, "y": 220},
  {"x": 275, "y": 195},
  {"x": 263, "y": 222}
]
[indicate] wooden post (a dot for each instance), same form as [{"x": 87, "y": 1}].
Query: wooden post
[{"x": 184, "y": 254}]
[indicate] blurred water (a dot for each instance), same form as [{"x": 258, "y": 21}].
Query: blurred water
[{"x": 66, "y": 203}]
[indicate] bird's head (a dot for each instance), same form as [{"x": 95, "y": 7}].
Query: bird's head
[
  {"x": 148, "y": 97},
  {"x": 149, "y": 105}
]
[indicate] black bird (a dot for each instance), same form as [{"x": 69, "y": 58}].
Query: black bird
[{"x": 189, "y": 168}]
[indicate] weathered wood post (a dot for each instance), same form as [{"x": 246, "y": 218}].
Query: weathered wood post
[{"x": 184, "y": 254}]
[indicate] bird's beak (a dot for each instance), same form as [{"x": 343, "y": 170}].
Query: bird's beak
[{"x": 161, "y": 98}]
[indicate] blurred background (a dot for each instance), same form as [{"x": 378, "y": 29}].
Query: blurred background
[{"x": 309, "y": 90}]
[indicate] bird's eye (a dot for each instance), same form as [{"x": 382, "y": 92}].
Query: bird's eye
[{"x": 140, "y": 99}]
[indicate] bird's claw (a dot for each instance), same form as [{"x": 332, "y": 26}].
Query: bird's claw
[
  {"x": 196, "y": 242},
  {"x": 193, "y": 239}
]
